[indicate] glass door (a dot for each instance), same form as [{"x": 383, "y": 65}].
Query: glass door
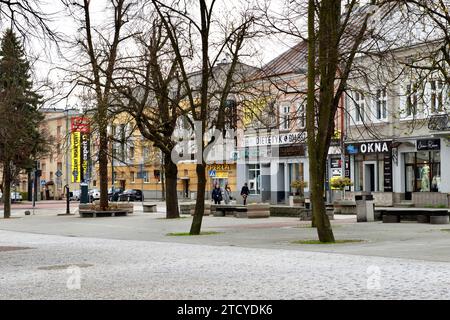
[{"x": 409, "y": 181}]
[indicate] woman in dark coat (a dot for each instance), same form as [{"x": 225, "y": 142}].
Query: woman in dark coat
[{"x": 217, "y": 194}]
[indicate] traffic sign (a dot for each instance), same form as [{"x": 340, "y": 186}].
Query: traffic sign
[
  {"x": 212, "y": 173},
  {"x": 58, "y": 173},
  {"x": 43, "y": 182}
]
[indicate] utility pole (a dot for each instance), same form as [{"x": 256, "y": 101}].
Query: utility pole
[{"x": 67, "y": 164}]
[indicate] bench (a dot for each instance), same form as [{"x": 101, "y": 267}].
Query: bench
[
  {"x": 423, "y": 215},
  {"x": 222, "y": 210},
  {"x": 149, "y": 207}
]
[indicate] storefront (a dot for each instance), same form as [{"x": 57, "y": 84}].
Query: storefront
[
  {"x": 422, "y": 168},
  {"x": 371, "y": 166},
  {"x": 270, "y": 163}
]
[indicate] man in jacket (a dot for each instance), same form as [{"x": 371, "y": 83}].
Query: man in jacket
[{"x": 245, "y": 192}]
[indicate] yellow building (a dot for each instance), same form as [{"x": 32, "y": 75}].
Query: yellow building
[{"x": 138, "y": 165}]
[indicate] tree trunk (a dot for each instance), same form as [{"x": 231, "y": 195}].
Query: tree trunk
[
  {"x": 103, "y": 157},
  {"x": 320, "y": 218},
  {"x": 171, "y": 172},
  {"x": 7, "y": 190},
  {"x": 200, "y": 203}
]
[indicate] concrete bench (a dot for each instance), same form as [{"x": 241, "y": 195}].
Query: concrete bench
[
  {"x": 206, "y": 212},
  {"x": 422, "y": 215},
  {"x": 261, "y": 210},
  {"x": 344, "y": 207},
  {"x": 149, "y": 207},
  {"x": 222, "y": 210}
]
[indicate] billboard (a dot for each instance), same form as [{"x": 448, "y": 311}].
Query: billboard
[{"x": 80, "y": 147}]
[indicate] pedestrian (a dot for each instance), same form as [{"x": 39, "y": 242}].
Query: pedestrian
[
  {"x": 217, "y": 194},
  {"x": 244, "y": 193},
  {"x": 227, "y": 194}
]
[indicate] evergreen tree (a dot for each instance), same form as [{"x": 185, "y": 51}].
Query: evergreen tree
[{"x": 20, "y": 136}]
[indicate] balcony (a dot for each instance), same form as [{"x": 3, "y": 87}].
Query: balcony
[{"x": 439, "y": 124}]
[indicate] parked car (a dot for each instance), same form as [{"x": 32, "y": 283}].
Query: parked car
[
  {"x": 131, "y": 195},
  {"x": 94, "y": 194},
  {"x": 114, "y": 196},
  {"x": 75, "y": 195},
  {"x": 16, "y": 196}
]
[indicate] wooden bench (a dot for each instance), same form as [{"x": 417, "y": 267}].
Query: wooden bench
[
  {"x": 423, "y": 215},
  {"x": 149, "y": 207}
]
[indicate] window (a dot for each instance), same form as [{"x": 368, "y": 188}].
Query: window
[
  {"x": 437, "y": 96},
  {"x": 359, "y": 107},
  {"x": 423, "y": 171},
  {"x": 131, "y": 152},
  {"x": 285, "y": 117},
  {"x": 145, "y": 153},
  {"x": 58, "y": 131},
  {"x": 301, "y": 115},
  {"x": 58, "y": 148},
  {"x": 132, "y": 177},
  {"x": 254, "y": 177},
  {"x": 51, "y": 176},
  {"x": 145, "y": 177},
  {"x": 411, "y": 100},
  {"x": 381, "y": 104}
]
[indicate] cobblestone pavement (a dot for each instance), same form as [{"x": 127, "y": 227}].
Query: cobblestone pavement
[{"x": 48, "y": 267}]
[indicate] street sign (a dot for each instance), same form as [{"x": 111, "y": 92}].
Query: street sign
[
  {"x": 43, "y": 182},
  {"x": 58, "y": 173},
  {"x": 212, "y": 173}
]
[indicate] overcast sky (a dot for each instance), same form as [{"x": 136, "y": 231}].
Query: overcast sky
[{"x": 48, "y": 59}]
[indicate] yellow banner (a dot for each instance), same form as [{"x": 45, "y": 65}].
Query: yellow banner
[{"x": 76, "y": 156}]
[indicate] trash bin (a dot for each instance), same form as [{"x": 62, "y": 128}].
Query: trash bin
[
  {"x": 365, "y": 208},
  {"x": 84, "y": 196}
]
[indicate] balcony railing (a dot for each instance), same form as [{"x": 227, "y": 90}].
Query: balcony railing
[{"x": 439, "y": 122}]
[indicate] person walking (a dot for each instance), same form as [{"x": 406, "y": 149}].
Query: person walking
[
  {"x": 245, "y": 192},
  {"x": 217, "y": 194},
  {"x": 227, "y": 194}
]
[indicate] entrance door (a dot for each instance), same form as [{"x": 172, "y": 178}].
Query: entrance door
[
  {"x": 370, "y": 176},
  {"x": 409, "y": 181},
  {"x": 186, "y": 188}
]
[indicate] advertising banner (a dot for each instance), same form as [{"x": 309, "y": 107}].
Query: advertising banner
[
  {"x": 80, "y": 146},
  {"x": 76, "y": 156}
]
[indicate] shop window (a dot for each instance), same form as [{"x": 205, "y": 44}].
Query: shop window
[
  {"x": 424, "y": 173},
  {"x": 254, "y": 177}
]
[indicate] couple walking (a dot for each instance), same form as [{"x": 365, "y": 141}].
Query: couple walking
[{"x": 217, "y": 194}]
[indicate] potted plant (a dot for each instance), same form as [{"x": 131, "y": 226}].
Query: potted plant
[
  {"x": 340, "y": 183},
  {"x": 299, "y": 185}
]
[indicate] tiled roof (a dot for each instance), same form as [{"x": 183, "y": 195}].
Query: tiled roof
[{"x": 294, "y": 60}]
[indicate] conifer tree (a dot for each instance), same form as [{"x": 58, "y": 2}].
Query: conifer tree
[{"x": 20, "y": 136}]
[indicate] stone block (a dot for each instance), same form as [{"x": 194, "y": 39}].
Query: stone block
[{"x": 439, "y": 220}]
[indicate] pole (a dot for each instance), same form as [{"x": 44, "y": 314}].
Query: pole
[{"x": 67, "y": 164}]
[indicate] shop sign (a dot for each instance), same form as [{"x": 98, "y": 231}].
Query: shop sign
[
  {"x": 275, "y": 139},
  {"x": 387, "y": 173},
  {"x": 428, "y": 144},
  {"x": 369, "y": 147},
  {"x": 292, "y": 151},
  {"x": 221, "y": 175},
  {"x": 219, "y": 167}
]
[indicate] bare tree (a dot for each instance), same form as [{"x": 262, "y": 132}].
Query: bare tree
[
  {"x": 99, "y": 48},
  {"x": 148, "y": 89}
]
